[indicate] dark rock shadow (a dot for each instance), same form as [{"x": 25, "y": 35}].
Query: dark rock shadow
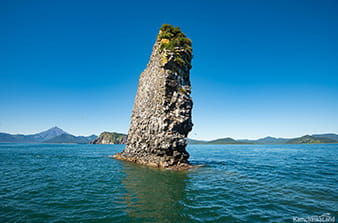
[{"x": 154, "y": 195}]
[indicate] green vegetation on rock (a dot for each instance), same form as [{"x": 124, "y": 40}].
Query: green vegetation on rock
[
  {"x": 175, "y": 38},
  {"x": 172, "y": 39},
  {"x": 110, "y": 138}
]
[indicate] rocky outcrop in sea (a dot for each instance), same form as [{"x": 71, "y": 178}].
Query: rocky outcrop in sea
[
  {"x": 161, "y": 117},
  {"x": 110, "y": 138}
]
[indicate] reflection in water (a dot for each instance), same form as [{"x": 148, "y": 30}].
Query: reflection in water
[{"x": 154, "y": 195}]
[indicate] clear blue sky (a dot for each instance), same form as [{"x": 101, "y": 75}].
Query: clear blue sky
[{"x": 260, "y": 67}]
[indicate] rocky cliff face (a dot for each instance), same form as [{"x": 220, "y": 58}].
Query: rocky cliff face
[
  {"x": 161, "y": 117},
  {"x": 110, "y": 138}
]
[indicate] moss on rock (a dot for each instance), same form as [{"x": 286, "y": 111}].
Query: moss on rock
[{"x": 172, "y": 39}]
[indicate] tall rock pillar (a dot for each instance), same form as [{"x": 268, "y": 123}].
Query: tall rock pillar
[{"x": 161, "y": 117}]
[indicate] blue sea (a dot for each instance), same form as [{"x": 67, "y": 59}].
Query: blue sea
[{"x": 236, "y": 183}]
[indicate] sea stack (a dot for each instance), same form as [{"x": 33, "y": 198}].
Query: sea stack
[{"x": 161, "y": 117}]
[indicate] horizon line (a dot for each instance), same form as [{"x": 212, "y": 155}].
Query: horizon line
[{"x": 235, "y": 138}]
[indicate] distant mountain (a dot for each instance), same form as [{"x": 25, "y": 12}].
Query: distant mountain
[
  {"x": 224, "y": 141},
  {"x": 319, "y": 138},
  {"x": 110, "y": 138},
  {"x": 194, "y": 141},
  {"x": 216, "y": 141},
  {"x": 271, "y": 140},
  {"x": 266, "y": 140},
  {"x": 307, "y": 139},
  {"x": 328, "y": 135},
  {"x": 52, "y": 135},
  {"x": 68, "y": 138},
  {"x": 57, "y": 135},
  {"x": 91, "y": 137},
  {"x": 5, "y": 137},
  {"x": 34, "y": 138}
]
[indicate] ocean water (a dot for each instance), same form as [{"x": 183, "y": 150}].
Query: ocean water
[{"x": 237, "y": 183}]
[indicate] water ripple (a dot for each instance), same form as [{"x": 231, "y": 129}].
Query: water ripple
[{"x": 79, "y": 183}]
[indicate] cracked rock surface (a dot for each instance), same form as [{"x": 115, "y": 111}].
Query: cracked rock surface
[{"x": 161, "y": 117}]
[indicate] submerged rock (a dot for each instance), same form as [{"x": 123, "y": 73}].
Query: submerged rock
[{"x": 161, "y": 117}]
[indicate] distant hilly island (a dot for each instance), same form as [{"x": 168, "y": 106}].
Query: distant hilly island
[
  {"x": 57, "y": 135},
  {"x": 307, "y": 139}
]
